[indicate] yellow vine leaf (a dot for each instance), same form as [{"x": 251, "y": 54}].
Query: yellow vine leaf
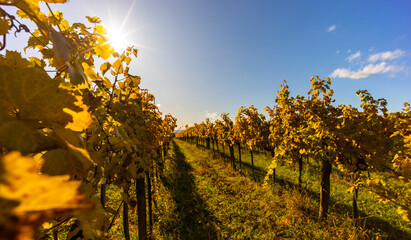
[
  {"x": 104, "y": 50},
  {"x": 61, "y": 48},
  {"x": 101, "y": 30},
  {"x": 18, "y": 135},
  {"x": 76, "y": 73},
  {"x": 81, "y": 119},
  {"x": 61, "y": 162},
  {"x": 28, "y": 93},
  {"x": 30, "y": 9},
  {"x": 405, "y": 213},
  {"x": 38, "y": 62},
  {"x": 74, "y": 145},
  {"x": 4, "y": 26},
  {"x": 14, "y": 60},
  {"x": 90, "y": 73},
  {"x": 93, "y": 19},
  {"x": 36, "y": 192},
  {"x": 40, "y": 197},
  {"x": 105, "y": 67},
  {"x": 127, "y": 60},
  {"x": 54, "y": 1},
  {"x": 135, "y": 80}
]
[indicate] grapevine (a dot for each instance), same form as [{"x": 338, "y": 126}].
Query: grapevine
[{"x": 66, "y": 138}]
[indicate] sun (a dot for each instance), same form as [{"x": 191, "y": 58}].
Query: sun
[
  {"x": 118, "y": 39},
  {"x": 120, "y": 36}
]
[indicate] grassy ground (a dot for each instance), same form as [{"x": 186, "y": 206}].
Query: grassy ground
[
  {"x": 380, "y": 219},
  {"x": 201, "y": 197}
]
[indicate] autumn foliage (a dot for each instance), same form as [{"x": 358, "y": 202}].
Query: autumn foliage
[
  {"x": 355, "y": 141},
  {"x": 69, "y": 128}
]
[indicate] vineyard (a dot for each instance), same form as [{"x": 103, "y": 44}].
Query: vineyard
[
  {"x": 369, "y": 148},
  {"x": 87, "y": 154},
  {"x": 71, "y": 129}
]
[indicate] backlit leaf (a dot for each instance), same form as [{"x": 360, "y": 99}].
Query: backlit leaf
[
  {"x": 31, "y": 94},
  {"x": 93, "y": 19},
  {"x": 54, "y": 1},
  {"x": 61, "y": 48},
  {"x": 76, "y": 74},
  {"x": 104, "y": 50},
  {"x": 40, "y": 196},
  {"x": 31, "y": 9},
  {"x": 105, "y": 67},
  {"x": 4, "y": 26},
  {"x": 17, "y": 135},
  {"x": 101, "y": 30},
  {"x": 61, "y": 162},
  {"x": 74, "y": 144}
]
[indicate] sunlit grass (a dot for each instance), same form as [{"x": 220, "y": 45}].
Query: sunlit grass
[
  {"x": 380, "y": 220},
  {"x": 202, "y": 197}
]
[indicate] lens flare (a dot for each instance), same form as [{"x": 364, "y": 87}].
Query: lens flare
[{"x": 118, "y": 40}]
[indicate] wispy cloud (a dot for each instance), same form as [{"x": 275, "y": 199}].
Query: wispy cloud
[
  {"x": 401, "y": 38},
  {"x": 337, "y": 52},
  {"x": 332, "y": 28},
  {"x": 388, "y": 55},
  {"x": 354, "y": 56},
  {"x": 378, "y": 65},
  {"x": 370, "y": 69},
  {"x": 212, "y": 116}
]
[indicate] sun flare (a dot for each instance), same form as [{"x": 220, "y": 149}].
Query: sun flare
[{"x": 118, "y": 40}]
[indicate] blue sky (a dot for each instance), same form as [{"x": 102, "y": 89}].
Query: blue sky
[{"x": 203, "y": 58}]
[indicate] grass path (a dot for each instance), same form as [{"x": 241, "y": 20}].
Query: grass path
[
  {"x": 200, "y": 197},
  {"x": 192, "y": 219},
  {"x": 209, "y": 201}
]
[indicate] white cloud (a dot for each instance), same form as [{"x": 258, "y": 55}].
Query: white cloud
[
  {"x": 332, "y": 28},
  {"x": 354, "y": 56},
  {"x": 370, "y": 69},
  {"x": 337, "y": 52},
  {"x": 212, "y": 116},
  {"x": 349, "y": 50},
  {"x": 386, "y": 55}
]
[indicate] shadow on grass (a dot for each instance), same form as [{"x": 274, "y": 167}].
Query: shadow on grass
[
  {"x": 246, "y": 167},
  {"x": 371, "y": 223},
  {"x": 259, "y": 172},
  {"x": 192, "y": 218}
]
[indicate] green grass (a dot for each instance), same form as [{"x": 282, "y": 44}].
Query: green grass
[
  {"x": 381, "y": 219},
  {"x": 199, "y": 196},
  {"x": 377, "y": 220}
]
